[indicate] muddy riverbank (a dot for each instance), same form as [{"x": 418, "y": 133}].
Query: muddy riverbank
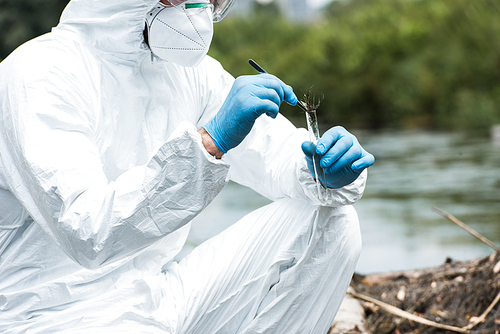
[{"x": 454, "y": 294}]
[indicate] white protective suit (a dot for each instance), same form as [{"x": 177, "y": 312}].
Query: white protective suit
[{"x": 101, "y": 171}]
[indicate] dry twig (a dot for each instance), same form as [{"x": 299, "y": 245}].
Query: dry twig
[
  {"x": 467, "y": 228},
  {"x": 403, "y": 314},
  {"x": 482, "y": 317}
]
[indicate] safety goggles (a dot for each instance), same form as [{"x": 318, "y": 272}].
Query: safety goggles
[{"x": 220, "y": 7}]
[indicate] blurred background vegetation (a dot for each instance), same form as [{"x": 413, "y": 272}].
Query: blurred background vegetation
[
  {"x": 431, "y": 64},
  {"x": 23, "y": 20}
]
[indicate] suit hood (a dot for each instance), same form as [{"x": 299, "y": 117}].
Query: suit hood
[{"x": 113, "y": 27}]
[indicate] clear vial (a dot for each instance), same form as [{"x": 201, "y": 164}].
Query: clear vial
[{"x": 319, "y": 173}]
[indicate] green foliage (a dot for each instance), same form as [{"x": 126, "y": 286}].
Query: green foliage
[
  {"x": 378, "y": 63},
  {"x": 21, "y": 21},
  {"x": 382, "y": 63}
]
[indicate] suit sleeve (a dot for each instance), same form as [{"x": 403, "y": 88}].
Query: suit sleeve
[{"x": 51, "y": 162}]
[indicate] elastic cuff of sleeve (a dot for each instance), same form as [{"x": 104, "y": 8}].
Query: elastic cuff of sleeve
[{"x": 212, "y": 132}]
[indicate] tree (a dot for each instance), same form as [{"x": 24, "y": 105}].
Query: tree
[{"x": 21, "y": 21}]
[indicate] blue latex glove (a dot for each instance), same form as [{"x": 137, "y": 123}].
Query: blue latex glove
[
  {"x": 250, "y": 97},
  {"x": 342, "y": 157}
]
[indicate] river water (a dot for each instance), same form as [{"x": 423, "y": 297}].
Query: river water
[{"x": 414, "y": 172}]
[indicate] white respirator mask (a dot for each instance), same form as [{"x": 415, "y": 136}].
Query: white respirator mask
[{"x": 181, "y": 33}]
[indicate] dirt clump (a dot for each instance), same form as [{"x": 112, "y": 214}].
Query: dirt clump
[{"x": 453, "y": 294}]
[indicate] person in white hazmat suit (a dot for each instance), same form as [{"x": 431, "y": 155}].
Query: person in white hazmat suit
[{"x": 113, "y": 137}]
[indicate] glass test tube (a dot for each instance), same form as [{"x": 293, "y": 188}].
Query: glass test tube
[{"x": 319, "y": 173}]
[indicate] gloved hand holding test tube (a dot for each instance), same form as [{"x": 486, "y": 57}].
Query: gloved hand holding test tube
[{"x": 313, "y": 128}]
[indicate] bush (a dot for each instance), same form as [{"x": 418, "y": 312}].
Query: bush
[
  {"x": 382, "y": 63},
  {"x": 21, "y": 21},
  {"x": 378, "y": 63}
]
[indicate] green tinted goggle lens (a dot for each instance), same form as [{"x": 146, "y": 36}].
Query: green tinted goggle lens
[
  {"x": 197, "y": 5},
  {"x": 219, "y": 7}
]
